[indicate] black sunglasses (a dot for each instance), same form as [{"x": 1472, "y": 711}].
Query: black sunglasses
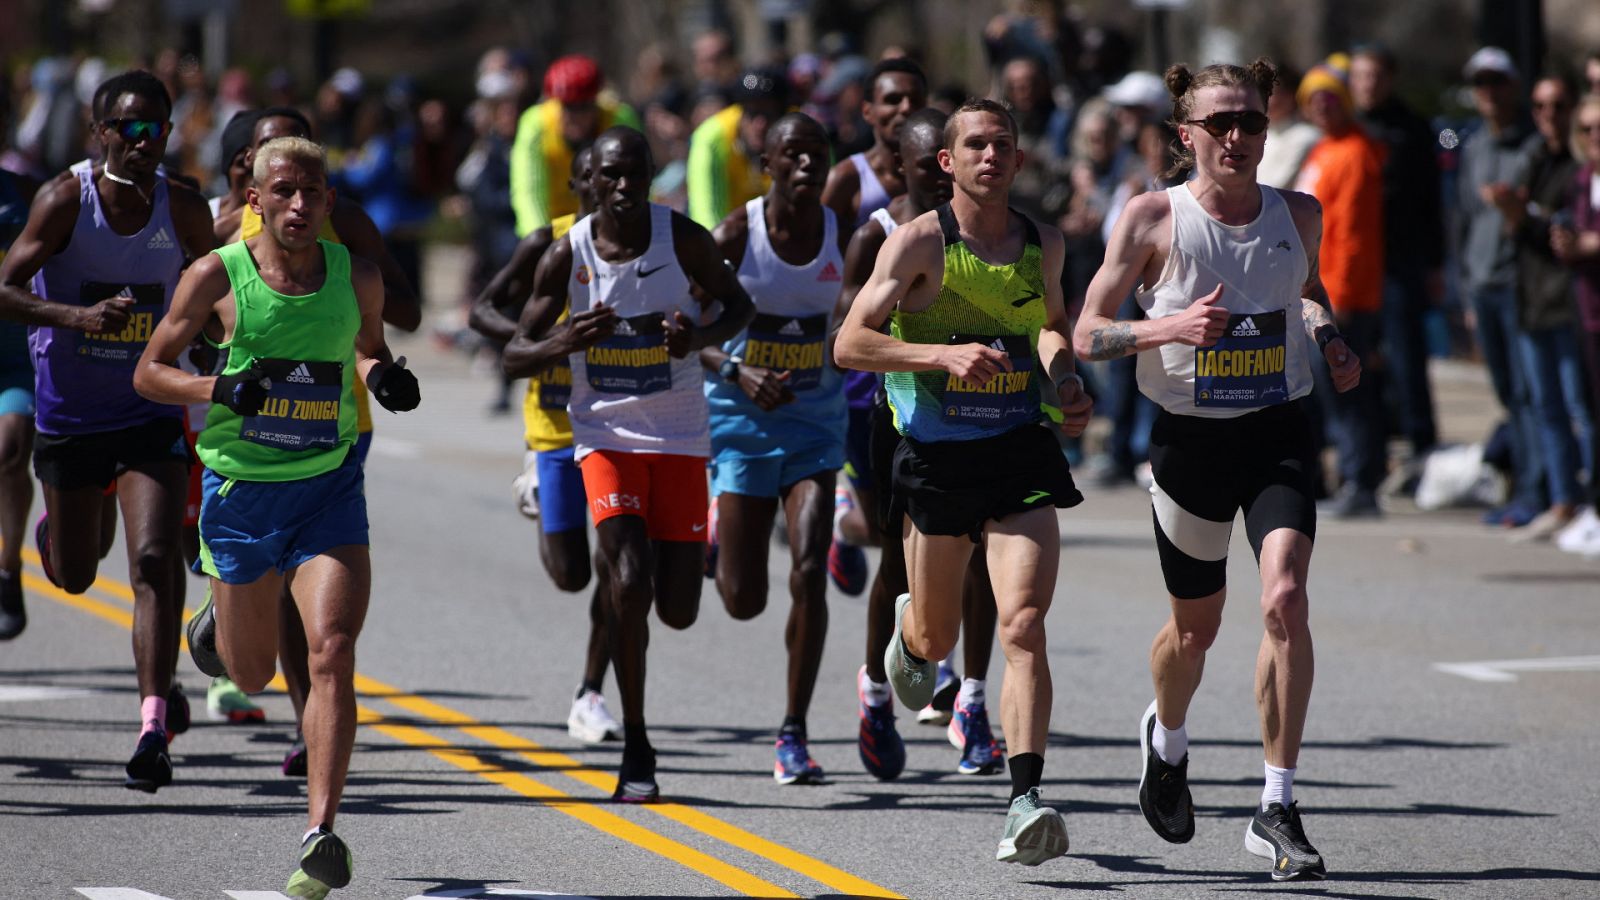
[
  {"x": 1219, "y": 124},
  {"x": 138, "y": 129}
]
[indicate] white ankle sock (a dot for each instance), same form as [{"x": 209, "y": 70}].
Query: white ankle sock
[
  {"x": 875, "y": 692},
  {"x": 971, "y": 692},
  {"x": 1280, "y": 786},
  {"x": 1169, "y": 745}
]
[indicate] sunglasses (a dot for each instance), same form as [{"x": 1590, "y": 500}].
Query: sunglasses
[
  {"x": 138, "y": 129},
  {"x": 1219, "y": 124},
  {"x": 1589, "y": 128}
]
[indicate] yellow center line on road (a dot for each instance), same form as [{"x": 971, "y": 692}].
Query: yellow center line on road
[{"x": 579, "y": 808}]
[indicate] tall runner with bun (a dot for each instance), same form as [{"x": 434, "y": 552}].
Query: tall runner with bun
[
  {"x": 550, "y": 488},
  {"x": 639, "y": 419},
  {"x": 777, "y": 412},
  {"x": 284, "y": 506},
  {"x": 93, "y": 272},
  {"x": 1226, "y": 271},
  {"x": 971, "y": 293}
]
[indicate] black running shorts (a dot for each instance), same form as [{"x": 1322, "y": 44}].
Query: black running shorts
[
  {"x": 955, "y": 487},
  {"x": 72, "y": 461},
  {"x": 1206, "y": 470},
  {"x": 882, "y": 443}
]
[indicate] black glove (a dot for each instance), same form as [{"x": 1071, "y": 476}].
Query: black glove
[
  {"x": 397, "y": 388},
  {"x": 244, "y": 392}
]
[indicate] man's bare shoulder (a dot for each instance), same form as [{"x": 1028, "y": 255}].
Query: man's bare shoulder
[
  {"x": 1301, "y": 205},
  {"x": 209, "y": 277},
  {"x": 59, "y": 195}
]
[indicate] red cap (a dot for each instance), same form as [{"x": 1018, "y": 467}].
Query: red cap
[{"x": 573, "y": 79}]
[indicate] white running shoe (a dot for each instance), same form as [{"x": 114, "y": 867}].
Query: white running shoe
[
  {"x": 1581, "y": 533},
  {"x": 590, "y": 721},
  {"x": 525, "y": 487}
]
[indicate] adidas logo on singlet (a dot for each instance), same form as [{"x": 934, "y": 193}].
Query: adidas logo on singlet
[
  {"x": 998, "y": 344},
  {"x": 160, "y": 240},
  {"x": 300, "y": 375},
  {"x": 1247, "y": 328},
  {"x": 623, "y": 327},
  {"x": 792, "y": 329},
  {"x": 829, "y": 273}
]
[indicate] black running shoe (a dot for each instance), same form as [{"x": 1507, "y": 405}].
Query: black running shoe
[
  {"x": 326, "y": 858},
  {"x": 177, "y": 711},
  {"x": 1276, "y": 833},
  {"x": 151, "y": 767},
  {"x": 294, "y": 762},
  {"x": 636, "y": 778},
  {"x": 13, "y": 614},
  {"x": 1164, "y": 789},
  {"x": 202, "y": 632}
]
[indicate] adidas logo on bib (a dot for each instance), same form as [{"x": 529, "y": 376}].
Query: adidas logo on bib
[
  {"x": 300, "y": 375},
  {"x": 792, "y": 329},
  {"x": 829, "y": 272},
  {"x": 160, "y": 240},
  {"x": 1247, "y": 328}
]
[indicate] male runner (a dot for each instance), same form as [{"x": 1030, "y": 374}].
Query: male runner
[
  {"x": 102, "y": 252},
  {"x": 551, "y": 485},
  {"x": 301, "y": 320},
  {"x": 777, "y": 412},
  {"x": 638, "y": 415},
  {"x": 972, "y": 295},
  {"x": 1230, "y": 435},
  {"x": 878, "y": 743},
  {"x": 725, "y": 150},
  {"x": 16, "y": 419}
]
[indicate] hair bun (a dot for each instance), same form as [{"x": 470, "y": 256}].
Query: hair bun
[
  {"x": 1178, "y": 78},
  {"x": 1264, "y": 74}
]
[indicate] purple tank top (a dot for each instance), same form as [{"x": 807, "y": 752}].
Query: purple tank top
[{"x": 83, "y": 383}]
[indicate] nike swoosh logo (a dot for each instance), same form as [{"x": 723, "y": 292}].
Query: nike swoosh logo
[
  {"x": 1019, "y": 303},
  {"x": 1037, "y": 496},
  {"x": 698, "y": 528},
  {"x": 646, "y": 273}
]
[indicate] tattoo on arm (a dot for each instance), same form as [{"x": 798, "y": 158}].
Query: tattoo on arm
[
  {"x": 1112, "y": 341},
  {"x": 1314, "y": 315}
]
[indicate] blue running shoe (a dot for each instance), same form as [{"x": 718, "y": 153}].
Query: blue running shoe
[
  {"x": 847, "y": 566},
  {"x": 945, "y": 688},
  {"x": 795, "y": 765},
  {"x": 882, "y": 751},
  {"x": 969, "y": 732}
]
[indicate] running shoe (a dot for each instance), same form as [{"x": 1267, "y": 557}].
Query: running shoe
[
  {"x": 847, "y": 566},
  {"x": 711, "y": 540},
  {"x": 913, "y": 683},
  {"x": 1033, "y": 833},
  {"x": 1276, "y": 833},
  {"x": 945, "y": 689},
  {"x": 1164, "y": 789},
  {"x": 590, "y": 721},
  {"x": 202, "y": 633},
  {"x": 795, "y": 765},
  {"x": 226, "y": 703},
  {"x": 13, "y": 614},
  {"x": 178, "y": 718},
  {"x": 151, "y": 766},
  {"x": 969, "y": 732},
  {"x": 41, "y": 540},
  {"x": 1581, "y": 534},
  {"x": 636, "y": 778},
  {"x": 325, "y": 864},
  {"x": 294, "y": 762},
  {"x": 882, "y": 751},
  {"x": 525, "y": 487}
]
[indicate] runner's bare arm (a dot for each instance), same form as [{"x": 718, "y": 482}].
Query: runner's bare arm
[
  {"x": 401, "y": 308},
  {"x": 496, "y": 310},
  {"x": 191, "y": 217},
  {"x": 539, "y": 342},
  {"x": 841, "y": 193},
  {"x": 701, "y": 260},
  {"x": 912, "y": 257},
  {"x": 1055, "y": 339},
  {"x": 732, "y": 235},
  {"x": 1315, "y": 307},
  {"x": 859, "y": 255},
  {"x": 372, "y": 351},
  {"x": 157, "y": 377},
  {"x": 1099, "y": 335},
  {"x": 51, "y": 218}
]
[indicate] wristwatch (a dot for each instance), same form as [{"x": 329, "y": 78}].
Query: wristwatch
[
  {"x": 729, "y": 370},
  {"x": 1325, "y": 336}
]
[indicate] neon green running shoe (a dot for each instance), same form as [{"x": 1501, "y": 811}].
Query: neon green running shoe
[
  {"x": 226, "y": 703},
  {"x": 325, "y": 864}
]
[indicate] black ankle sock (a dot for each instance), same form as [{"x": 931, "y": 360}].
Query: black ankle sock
[
  {"x": 585, "y": 688},
  {"x": 915, "y": 659},
  {"x": 794, "y": 725},
  {"x": 1026, "y": 771},
  {"x": 634, "y": 739}
]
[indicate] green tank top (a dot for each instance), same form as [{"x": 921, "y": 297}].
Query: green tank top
[
  {"x": 306, "y": 345},
  {"x": 1002, "y": 306}
]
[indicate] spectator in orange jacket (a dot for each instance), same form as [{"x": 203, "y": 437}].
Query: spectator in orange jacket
[{"x": 1344, "y": 171}]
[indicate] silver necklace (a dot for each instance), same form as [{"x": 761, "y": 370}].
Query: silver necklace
[{"x": 127, "y": 181}]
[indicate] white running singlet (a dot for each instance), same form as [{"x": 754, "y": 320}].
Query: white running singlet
[
  {"x": 628, "y": 394},
  {"x": 882, "y": 217},
  {"x": 1261, "y": 359}
]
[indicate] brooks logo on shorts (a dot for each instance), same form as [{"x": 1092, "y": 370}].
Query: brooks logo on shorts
[
  {"x": 792, "y": 329},
  {"x": 300, "y": 375},
  {"x": 1037, "y": 496},
  {"x": 1247, "y": 328},
  {"x": 160, "y": 241}
]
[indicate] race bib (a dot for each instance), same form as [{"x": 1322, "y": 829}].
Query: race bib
[
  {"x": 633, "y": 360},
  {"x": 1008, "y": 399},
  {"x": 121, "y": 348},
  {"x": 1246, "y": 367},
  {"x": 793, "y": 343},
  {"x": 302, "y": 408},
  {"x": 555, "y": 387}
]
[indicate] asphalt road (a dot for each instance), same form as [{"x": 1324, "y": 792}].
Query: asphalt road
[{"x": 1415, "y": 781}]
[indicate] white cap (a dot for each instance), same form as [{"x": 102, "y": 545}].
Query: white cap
[
  {"x": 348, "y": 82},
  {"x": 1490, "y": 59},
  {"x": 1139, "y": 89}
]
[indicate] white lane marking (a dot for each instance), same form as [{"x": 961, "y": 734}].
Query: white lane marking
[
  {"x": 255, "y": 895},
  {"x": 23, "y": 693},
  {"x": 1502, "y": 670},
  {"x": 484, "y": 893},
  {"x": 394, "y": 448},
  {"x": 118, "y": 893}
]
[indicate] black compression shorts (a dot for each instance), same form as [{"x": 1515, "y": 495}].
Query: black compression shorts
[{"x": 955, "y": 487}]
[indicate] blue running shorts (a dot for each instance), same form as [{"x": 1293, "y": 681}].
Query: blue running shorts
[
  {"x": 250, "y": 527},
  {"x": 563, "y": 505},
  {"x": 767, "y": 476}
]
